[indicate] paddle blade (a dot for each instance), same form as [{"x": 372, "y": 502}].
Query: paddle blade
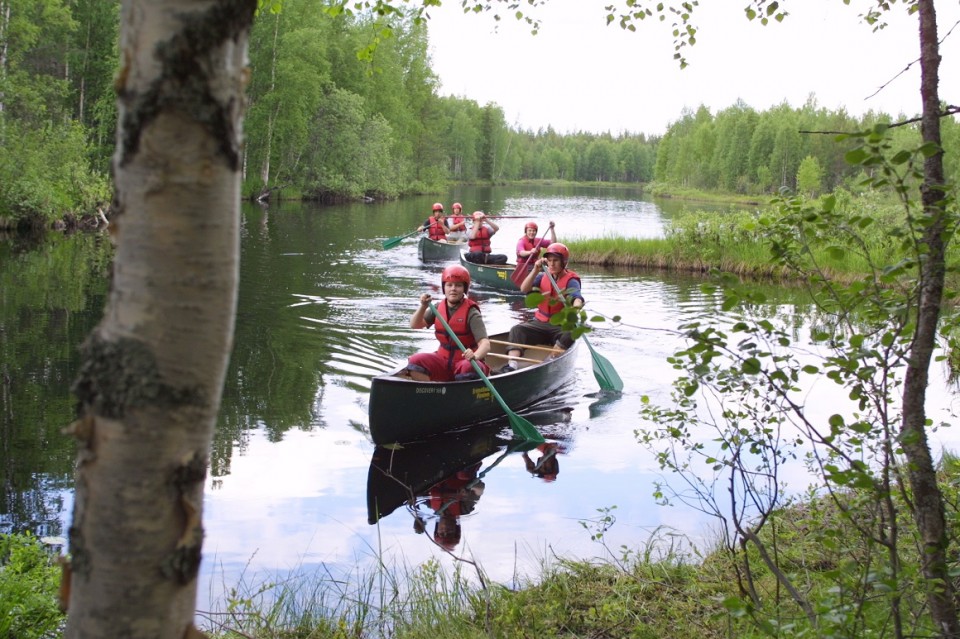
[
  {"x": 519, "y": 274},
  {"x": 393, "y": 241},
  {"x": 604, "y": 371},
  {"x": 524, "y": 429}
]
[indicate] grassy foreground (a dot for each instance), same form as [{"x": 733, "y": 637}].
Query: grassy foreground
[{"x": 655, "y": 590}]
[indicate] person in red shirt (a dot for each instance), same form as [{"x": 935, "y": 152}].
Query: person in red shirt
[
  {"x": 530, "y": 245},
  {"x": 449, "y": 363}
]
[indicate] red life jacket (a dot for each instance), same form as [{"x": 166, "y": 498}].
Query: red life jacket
[
  {"x": 437, "y": 230},
  {"x": 552, "y": 303},
  {"x": 456, "y": 219},
  {"x": 459, "y": 325},
  {"x": 526, "y": 244},
  {"x": 481, "y": 243}
]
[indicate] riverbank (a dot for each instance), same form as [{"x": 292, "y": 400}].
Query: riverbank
[
  {"x": 846, "y": 246},
  {"x": 660, "y": 588}
]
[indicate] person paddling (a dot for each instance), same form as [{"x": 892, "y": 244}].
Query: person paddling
[
  {"x": 539, "y": 330},
  {"x": 456, "y": 224},
  {"x": 530, "y": 244},
  {"x": 479, "y": 250},
  {"x": 436, "y": 226},
  {"x": 463, "y": 315}
]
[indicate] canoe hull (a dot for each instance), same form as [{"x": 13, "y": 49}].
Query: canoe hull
[
  {"x": 404, "y": 410},
  {"x": 433, "y": 251},
  {"x": 496, "y": 276}
]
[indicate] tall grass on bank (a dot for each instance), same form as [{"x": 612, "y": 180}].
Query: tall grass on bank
[
  {"x": 630, "y": 597},
  {"x": 738, "y": 242}
]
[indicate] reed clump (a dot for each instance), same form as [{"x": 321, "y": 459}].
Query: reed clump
[{"x": 740, "y": 242}]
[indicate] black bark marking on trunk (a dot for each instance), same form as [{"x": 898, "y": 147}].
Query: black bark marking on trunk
[
  {"x": 122, "y": 375},
  {"x": 183, "y": 564},
  {"x": 184, "y": 82}
]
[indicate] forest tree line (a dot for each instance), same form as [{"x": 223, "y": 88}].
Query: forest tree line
[{"x": 327, "y": 122}]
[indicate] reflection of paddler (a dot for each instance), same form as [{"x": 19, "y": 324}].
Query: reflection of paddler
[
  {"x": 546, "y": 467},
  {"x": 455, "y": 496}
]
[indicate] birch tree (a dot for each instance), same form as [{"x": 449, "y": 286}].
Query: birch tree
[{"x": 153, "y": 369}]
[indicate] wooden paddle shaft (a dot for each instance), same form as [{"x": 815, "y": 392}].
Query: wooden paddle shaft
[
  {"x": 526, "y": 346},
  {"x": 519, "y": 359}
]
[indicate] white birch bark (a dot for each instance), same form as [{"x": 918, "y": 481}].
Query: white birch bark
[{"x": 153, "y": 370}]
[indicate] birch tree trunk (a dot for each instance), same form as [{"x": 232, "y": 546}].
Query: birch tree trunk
[{"x": 152, "y": 371}]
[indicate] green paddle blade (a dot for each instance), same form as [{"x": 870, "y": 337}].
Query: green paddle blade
[
  {"x": 393, "y": 241},
  {"x": 524, "y": 429},
  {"x": 604, "y": 371}
]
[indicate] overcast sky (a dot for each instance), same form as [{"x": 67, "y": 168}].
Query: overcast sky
[{"x": 578, "y": 74}]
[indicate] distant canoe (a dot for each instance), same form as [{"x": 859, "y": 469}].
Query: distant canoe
[
  {"x": 491, "y": 275},
  {"x": 404, "y": 410},
  {"x": 398, "y": 474},
  {"x": 439, "y": 251}
]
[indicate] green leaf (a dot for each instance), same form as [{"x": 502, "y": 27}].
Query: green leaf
[
  {"x": 900, "y": 158},
  {"x": 856, "y": 156}
]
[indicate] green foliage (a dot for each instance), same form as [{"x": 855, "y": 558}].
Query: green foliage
[
  {"x": 743, "y": 410},
  {"x": 743, "y": 151},
  {"x": 48, "y": 174},
  {"x": 809, "y": 177},
  {"x": 29, "y": 585}
]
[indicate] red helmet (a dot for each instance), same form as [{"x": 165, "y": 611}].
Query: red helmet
[
  {"x": 456, "y": 273},
  {"x": 438, "y": 207},
  {"x": 530, "y": 225},
  {"x": 558, "y": 249},
  {"x": 457, "y": 205}
]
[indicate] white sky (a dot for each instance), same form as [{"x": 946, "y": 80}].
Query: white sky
[{"x": 577, "y": 74}]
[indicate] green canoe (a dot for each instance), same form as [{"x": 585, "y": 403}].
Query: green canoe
[
  {"x": 404, "y": 410},
  {"x": 495, "y": 276},
  {"x": 439, "y": 251}
]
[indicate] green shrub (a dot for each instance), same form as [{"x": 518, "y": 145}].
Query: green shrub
[
  {"x": 47, "y": 175},
  {"x": 29, "y": 584}
]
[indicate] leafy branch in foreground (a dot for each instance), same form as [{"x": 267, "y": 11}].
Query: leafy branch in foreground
[{"x": 752, "y": 414}]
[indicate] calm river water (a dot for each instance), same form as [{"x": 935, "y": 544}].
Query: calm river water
[{"x": 322, "y": 309}]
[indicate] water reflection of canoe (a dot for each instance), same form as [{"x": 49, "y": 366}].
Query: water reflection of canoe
[
  {"x": 493, "y": 275},
  {"x": 404, "y": 410},
  {"x": 439, "y": 251},
  {"x": 398, "y": 474}
]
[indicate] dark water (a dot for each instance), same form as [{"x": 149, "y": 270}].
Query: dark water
[{"x": 322, "y": 309}]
